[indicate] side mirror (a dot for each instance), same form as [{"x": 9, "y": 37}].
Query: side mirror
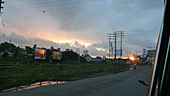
[{"x": 143, "y": 82}]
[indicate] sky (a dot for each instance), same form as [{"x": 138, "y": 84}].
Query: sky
[{"x": 83, "y": 24}]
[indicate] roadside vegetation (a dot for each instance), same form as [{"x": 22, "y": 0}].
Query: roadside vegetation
[
  {"x": 24, "y": 72},
  {"x": 18, "y": 66}
]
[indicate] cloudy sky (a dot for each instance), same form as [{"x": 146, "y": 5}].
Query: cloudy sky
[{"x": 82, "y": 24}]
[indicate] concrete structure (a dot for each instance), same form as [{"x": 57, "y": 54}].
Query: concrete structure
[
  {"x": 144, "y": 54},
  {"x": 150, "y": 55}
]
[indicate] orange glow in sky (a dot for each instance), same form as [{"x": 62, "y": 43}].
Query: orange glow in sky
[
  {"x": 101, "y": 49},
  {"x": 86, "y": 44},
  {"x": 132, "y": 58},
  {"x": 56, "y": 36}
]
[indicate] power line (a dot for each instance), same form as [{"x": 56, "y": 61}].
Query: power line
[
  {"x": 112, "y": 36},
  {"x": 75, "y": 1},
  {"x": 68, "y": 2},
  {"x": 115, "y": 36},
  {"x": 121, "y": 44}
]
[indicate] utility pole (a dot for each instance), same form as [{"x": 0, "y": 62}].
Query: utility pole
[
  {"x": 120, "y": 34},
  {"x": 111, "y": 45},
  {"x": 109, "y": 37},
  {"x": 1, "y": 2},
  {"x": 115, "y": 38},
  {"x": 121, "y": 43}
]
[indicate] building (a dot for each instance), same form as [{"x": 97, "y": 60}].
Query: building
[
  {"x": 88, "y": 58},
  {"x": 98, "y": 59},
  {"x": 144, "y": 54},
  {"x": 85, "y": 52},
  {"x": 150, "y": 55}
]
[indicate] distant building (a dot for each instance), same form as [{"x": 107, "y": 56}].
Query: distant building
[
  {"x": 151, "y": 55},
  {"x": 143, "y": 59},
  {"x": 144, "y": 54},
  {"x": 98, "y": 59},
  {"x": 88, "y": 58},
  {"x": 104, "y": 58},
  {"x": 147, "y": 56},
  {"x": 85, "y": 52},
  {"x": 128, "y": 61}
]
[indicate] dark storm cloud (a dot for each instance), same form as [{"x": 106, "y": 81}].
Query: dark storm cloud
[
  {"x": 86, "y": 20},
  {"x": 21, "y": 40}
]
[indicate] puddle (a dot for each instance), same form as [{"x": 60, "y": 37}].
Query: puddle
[{"x": 35, "y": 85}]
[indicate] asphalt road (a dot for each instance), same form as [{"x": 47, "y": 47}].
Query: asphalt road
[{"x": 119, "y": 84}]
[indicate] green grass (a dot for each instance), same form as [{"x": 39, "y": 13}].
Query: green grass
[{"x": 14, "y": 73}]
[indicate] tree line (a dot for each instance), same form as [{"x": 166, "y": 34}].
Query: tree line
[{"x": 11, "y": 51}]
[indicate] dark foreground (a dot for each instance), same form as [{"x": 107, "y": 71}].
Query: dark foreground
[{"x": 120, "y": 84}]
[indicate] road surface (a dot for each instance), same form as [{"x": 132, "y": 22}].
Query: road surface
[{"x": 119, "y": 84}]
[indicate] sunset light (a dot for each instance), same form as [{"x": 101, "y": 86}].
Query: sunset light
[
  {"x": 101, "y": 49},
  {"x": 132, "y": 58},
  {"x": 72, "y": 43}
]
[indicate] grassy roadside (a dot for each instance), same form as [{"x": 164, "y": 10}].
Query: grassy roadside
[{"x": 15, "y": 73}]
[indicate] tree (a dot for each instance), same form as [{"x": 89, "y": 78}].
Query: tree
[
  {"x": 70, "y": 55},
  {"x": 28, "y": 50},
  {"x": 34, "y": 46},
  {"x": 7, "y": 49},
  {"x": 48, "y": 54}
]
